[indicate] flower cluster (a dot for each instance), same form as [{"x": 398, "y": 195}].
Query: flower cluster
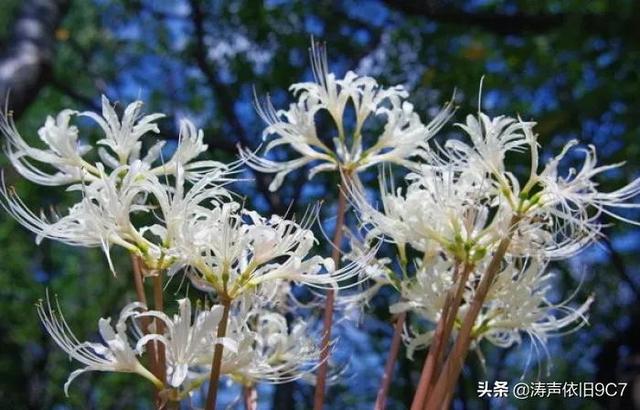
[
  {"x": 190, "y": 219},
  {"x": 463, "y": 212},
  {"x": 471, "y": 238},
  {"x": 121, "y": 146},
  {"x": 174, "y": 216},
  {"x": 401, "y": 136},
  {"x": 259, "y": 346},
  {"x": 115, "y": 187}
]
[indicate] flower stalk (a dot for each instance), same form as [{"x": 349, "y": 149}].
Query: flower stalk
[
  {"x": 250, "y": 396},
  {"x": 442, "y": 391},
  {"x": 142, "y": 298},
  {"x": 433, "y": 363},
  {"x": 441, "y": 337},
  {"x": 383, "y": 392},
  {"x": 321, "y": 381},
  {"x": 137, "y": 279},
  {"x": 158, "y": 304},
  {"x": 451, "y": 316},
  {"x": 214, "y": 379}
]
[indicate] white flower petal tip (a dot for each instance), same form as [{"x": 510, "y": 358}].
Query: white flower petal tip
[{"x": 113, "y": 354}]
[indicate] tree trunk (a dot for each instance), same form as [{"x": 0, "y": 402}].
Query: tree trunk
[{"x": 26, "y": 63}]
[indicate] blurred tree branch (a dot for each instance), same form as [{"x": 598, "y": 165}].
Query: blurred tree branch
[
  {"x": 498, "y": 22},
  {"x": 224, "y": 99},
  {"x": 25, "y": 66}
]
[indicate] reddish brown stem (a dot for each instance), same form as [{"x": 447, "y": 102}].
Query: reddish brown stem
[
  {"x": 426, "y": 375},
  {"x": 450, "y": 318},
  {"x": 440, "y": 339},
  {"x": 447, "y": 401},
  {"x": 383, "y": 392},
  {"x": 321, "y": 379},
  {"x": 250, "y": 397},
  {"x": 214, "y": 380},
  {"x": 455, "y": 361},
  {"x": 142, "y": 298},
  {"x": 137, "y": 279},
  {"x": 158, "y": 304}
]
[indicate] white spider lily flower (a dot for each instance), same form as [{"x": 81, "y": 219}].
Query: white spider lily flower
[
  {"x": 230, "y": 250},
  {"x": 559, "y": 215},
  {"x": 518, "y": 303},
  {"x": 441, "y": 207},
  {"x": 101, "y": 218},
  {"x": 215, "y": 244},
  {"x": 278, "y": 236},
  {"x": 64, "y": 152},
  {"x": 178, "y": 207},
  {"x": 121, "y": 146},
  {"x": 425, "y": 292},
  {"x": 283, "y": 353},
  {"x": 388, "y": 223},
  {"x": 115, "y": 354},
  {"x": 260, "y": 346},
  {"x": 491, "y": 139},
  {"x": 186, "y": 343},
  {"x": 580, "y": 188},
  {"x": 190, "y": 146},
  {"x": 403, "y": 135},
  {"x": 572, "y": 205},
  {"x": 269, "y": 349},
  {"x": 122, "y": 136},
  {"x": 543, "y": 236}
]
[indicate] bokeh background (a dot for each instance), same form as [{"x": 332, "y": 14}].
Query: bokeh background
[{"x": 571, "y": 65}]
